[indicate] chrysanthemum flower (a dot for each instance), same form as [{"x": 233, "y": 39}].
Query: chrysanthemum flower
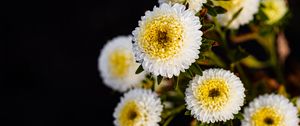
[
  {"x": 215, "y": 96},
  {"x": 167, "y": 40},
  {"x": 250, "y": 7},
  {"x": 195, "y": 5},
  {"x": 138, "y": 107},
  {"x": 117, "y": 65},
  {"x": 270, "y": 110},
  {"x": 274, "y": 10}
]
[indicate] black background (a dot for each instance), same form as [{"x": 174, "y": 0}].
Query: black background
[{"x": 49, "y": 52}]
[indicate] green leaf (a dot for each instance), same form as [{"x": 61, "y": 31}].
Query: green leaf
[
  {"x": 207, "y": 27},
  {"x": 177, "y": 79},
  {"x": 239, "y": 116},
  {"x": 238, "y": 54},
  {"x": 139, "y": 69},
  {"x": 209, "y": 2},
  {"x": 220, "y": 10},
  {"x": 195, "y": 68},
  {"x": 187, "y": 113},
  {"x": 187, "y": 74},
  {"x": 207, "y": 41},
  {"x": 159, "y": 79},
  {"x": 204, "y": 124},
  {"x": 210, "y": 10},
  {"x": 236, "y": 14},
  {"x": 205, "y": 48}
]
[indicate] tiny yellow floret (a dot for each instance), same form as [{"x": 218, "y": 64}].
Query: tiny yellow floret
[
  {"x": 213, "y": 94},
  {"x": 266, "y": 116},
  {"x": 119, "y": 62},
  {"x": 162, "y": 37},
  {"x": 129, "y": 114}
]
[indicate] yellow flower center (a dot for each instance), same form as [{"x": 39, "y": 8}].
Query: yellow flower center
[
  {"x": 162, "y": 37},
  {"x": 266, "y": 116},
  {"x": 119, "y": 62},
  {"x": 229, "y": 5},
  {"x": 130, "y": 114},
  {"x": 213, "y": 94}
]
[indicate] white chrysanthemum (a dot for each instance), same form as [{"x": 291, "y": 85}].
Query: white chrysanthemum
[
  {"x": 270, "y": 110},
  {"x": 274, "y": 10},
  {"x": 138, "y": 107},
  {"x": 167, "y": 40},
  {"x": 195, "y": 5},
  {"x": 215, "y": 96},
  {"x": 250, "y": 7},
  {"x": 117, "y": 65},
  {"x": 298, "y": 104}
]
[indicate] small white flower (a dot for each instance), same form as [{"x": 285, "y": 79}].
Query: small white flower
[
  {"x": 215, "y": 96},
  {"x": 138, "y": 107},
  {"x": 117, "y": 65},
  {"x": 194, "y": 5},
  {"x": 167, "y": 40},
  {"x": 270, "y": 110},
  {"x": 274, "y": 10},
  {"x": 250, "y": 7}
]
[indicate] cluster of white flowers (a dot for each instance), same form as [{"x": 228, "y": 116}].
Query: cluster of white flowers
[{"x": 167, "y": 42}]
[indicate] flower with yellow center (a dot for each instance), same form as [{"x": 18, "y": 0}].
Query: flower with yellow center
[
  {"x": 117, "y": 65},
  {"x": 215, "y": 96},
  {"x": 250, "y": 7},
  {"x": 194, "y": 5},
  {"x": 274, "y": 10},
  {"x": 138, "y": 107},
  {"x": 167, "y": 40},
  {"x": 270, "y": 110}
]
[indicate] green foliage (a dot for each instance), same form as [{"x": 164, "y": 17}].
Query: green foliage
[
  {"x": 195, "y": 68},
  {"x": 214, "y": 10},
  {"x": 238, "y": 54},
  {"x": 239, "y": 116},
  {"x": 235, "y": 15},
  {"x": 220, "y": 10},
  {"x": 139, "y": 69},
  {"x": 187, "y": 113},
  {"x": 159, "y": 79}
]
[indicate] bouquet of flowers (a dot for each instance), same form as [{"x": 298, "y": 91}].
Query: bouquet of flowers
[{"x": 188, "y": 57}]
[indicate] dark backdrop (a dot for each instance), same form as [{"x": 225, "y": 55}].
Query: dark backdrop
[{"x": 49, "y": 50}]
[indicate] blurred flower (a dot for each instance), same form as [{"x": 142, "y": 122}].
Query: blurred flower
[
  {"x": 282, "y": 47},
  {"x": 138, "y": 107},
  {"x": 215, "y": 96},
  {"x": 167, "y": 40},
  {"x": 250, "y": 7},
  {"x": 117, "y": 65},
  {"x": 270, "y": 109},
  {"x": 274, "y": 10},
  {"x": 195, "y": 5}
]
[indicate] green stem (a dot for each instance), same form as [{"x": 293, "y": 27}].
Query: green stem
[
  {"x": 221, "y": 33},
  {"x": 268, "y": 43},
  {"x": 169, "y": 120},
  {"x": 243, "y": 75},
  {"x": 176, "y": 110}
]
